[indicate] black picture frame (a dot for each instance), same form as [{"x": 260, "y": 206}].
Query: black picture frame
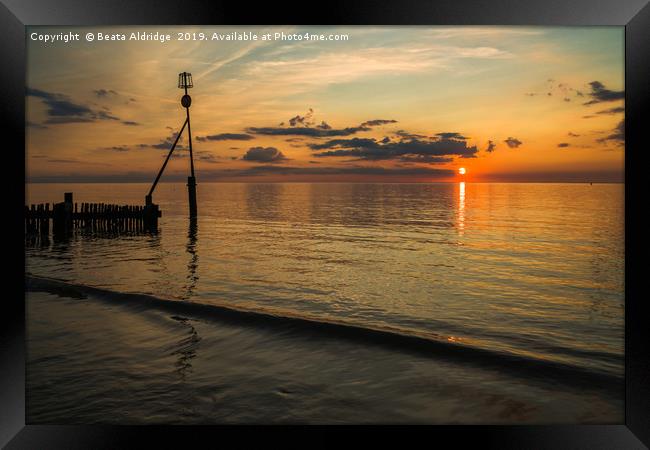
[{"x": 633, "y": 14}]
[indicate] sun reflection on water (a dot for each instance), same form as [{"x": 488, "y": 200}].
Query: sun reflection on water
[{"x": 461, "y": 208}]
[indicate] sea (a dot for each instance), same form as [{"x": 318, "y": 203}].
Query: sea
[{"x": 333, "y": 303}]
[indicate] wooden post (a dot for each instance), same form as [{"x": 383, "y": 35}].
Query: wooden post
[
  {"x": 46, "y": 223},
  {"x": 34, "y": 224},
  {"x": 68, "y": 210},
  {"x": 151, "y": 214},
  {"x": 191, "y": 190},
  {"x": 42, "y": 219},
  {"x": 58, "y": 219}
]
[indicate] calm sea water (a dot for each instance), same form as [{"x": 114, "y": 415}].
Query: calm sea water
[{"x": 530, "y": 270}]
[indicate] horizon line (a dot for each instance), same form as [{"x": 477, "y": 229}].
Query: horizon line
[{"x": 336, "y": 182}]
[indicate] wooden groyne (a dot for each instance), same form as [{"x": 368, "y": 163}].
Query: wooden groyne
[{"x": 67, "y": 215}]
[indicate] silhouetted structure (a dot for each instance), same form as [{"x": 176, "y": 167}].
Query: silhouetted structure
[
  {"x": 184, "y": 82},
  {"x": 67, "y": 215}
]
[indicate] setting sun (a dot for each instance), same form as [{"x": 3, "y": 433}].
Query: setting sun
[{"x": 462, "y": 171}]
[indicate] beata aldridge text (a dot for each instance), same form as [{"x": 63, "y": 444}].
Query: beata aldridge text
[{"x": 141, "y": 36}]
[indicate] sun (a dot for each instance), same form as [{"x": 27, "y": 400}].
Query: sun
[{"x": 462, "y": 171}]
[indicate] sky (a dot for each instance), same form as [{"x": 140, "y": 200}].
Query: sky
[{"x": 385, "y": 104}]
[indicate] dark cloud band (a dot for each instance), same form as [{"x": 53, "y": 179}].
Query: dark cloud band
[
  {"x": 226, "y": 137},
  {"x": 60, "y": 110},
  {"x": 372, "y": 150}
]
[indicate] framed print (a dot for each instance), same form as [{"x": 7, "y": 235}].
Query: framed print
[{"x": 375, "y": 215}]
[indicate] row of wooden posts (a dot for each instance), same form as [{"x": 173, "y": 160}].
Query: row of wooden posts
[{"x": 67, "y": 215}]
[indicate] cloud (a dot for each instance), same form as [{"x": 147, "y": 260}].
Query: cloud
[
  {"x": 206, "y": 157},
  {"x": 163, "y": 145},
  {"x": 305, "y": 126},
  {"x": 104, "y": 115},
  {"x": 63, "y": 161},
  {"x": 425, "y": 159},
  {"x": 601, "y": 94},
  {"x": 563, "y": 144},
  {"x": 491, "y": 147},
  {"x": 57, "y": 104},
  {"x": 305, "y": 120},
  {"x": 407, "y": 135},
  {"x": 35, "y": 125},
  {"x": 377, "y": 122},
  {"x": 226, "y": 137},
  {"x": 104, "y": 92},
  {"x": 62, "y": 120},
  {"x": 513, "y": 142},
  {"x": 372, "y": 150},
  {"x": 615, "y": 110},
  {"x": 264, "y": 154},
  {"x": 555, "y": 88},
  {"x": 572, "y": 134},
  {"x": 166, "y": 144},
  {"x": 617, "y": 135},
  {"x": 306, "y": 131},
  {"x": 203, "y": 156},
  {"x": 317, "y": 69},
  {"x": 61, "y": 110},
  {"x": 130, "y": 122},
  {"x": 451, "y": 136}
]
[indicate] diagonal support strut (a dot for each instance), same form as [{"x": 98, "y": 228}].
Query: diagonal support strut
[{"x": 162, "y": 169}]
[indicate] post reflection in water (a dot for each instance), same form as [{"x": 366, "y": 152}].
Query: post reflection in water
[
  {"x": 193, "y": 263},
  {"x": 461, "y": 208}
]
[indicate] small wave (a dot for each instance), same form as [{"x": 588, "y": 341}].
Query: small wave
[{"x": 517, "y": 365}]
